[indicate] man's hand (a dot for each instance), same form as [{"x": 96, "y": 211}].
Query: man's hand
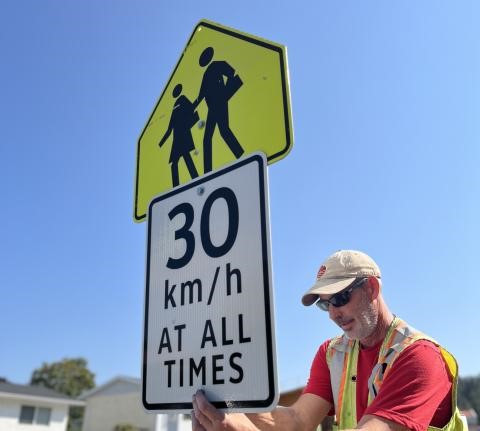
[{"x": 206, "y": 417}]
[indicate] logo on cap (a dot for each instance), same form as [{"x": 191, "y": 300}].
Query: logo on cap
[{"x": 321, "y": 271}]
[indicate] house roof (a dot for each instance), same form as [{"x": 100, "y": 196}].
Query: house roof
[
  {"x": 118, "y": 379},
  {"x": 11, "y": 390}
]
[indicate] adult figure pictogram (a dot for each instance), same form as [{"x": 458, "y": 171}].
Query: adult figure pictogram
[
  {"x": 217, "y": 93},
  {"x": 182, "y": 119}
]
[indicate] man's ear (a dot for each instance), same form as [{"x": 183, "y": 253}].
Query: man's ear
[{"x": 373, "y": 287}]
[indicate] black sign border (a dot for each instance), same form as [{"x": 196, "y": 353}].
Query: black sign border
[{"x": 272, "y": 393}]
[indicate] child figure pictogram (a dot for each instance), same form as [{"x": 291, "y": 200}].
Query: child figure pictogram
[{"x": 182, "y": 119}]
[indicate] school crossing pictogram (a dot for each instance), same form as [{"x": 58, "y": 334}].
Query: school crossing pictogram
[
  {"x": 228, "y": 96},
  {"x": 218, "y": 85}
]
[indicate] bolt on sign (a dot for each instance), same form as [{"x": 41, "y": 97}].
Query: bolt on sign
[
  {"x": 228, "y": 96},
  {"x": 209, "y": 320}
]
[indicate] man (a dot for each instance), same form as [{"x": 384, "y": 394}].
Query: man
[{"x": 380, "y": 375}]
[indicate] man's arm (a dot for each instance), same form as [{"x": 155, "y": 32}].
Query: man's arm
[
  {"x": 305, "y": 415},
  {"x": 376, "y": 423}
]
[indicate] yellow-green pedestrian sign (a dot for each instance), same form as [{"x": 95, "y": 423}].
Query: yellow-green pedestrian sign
[{"x": 227, "y": 97}]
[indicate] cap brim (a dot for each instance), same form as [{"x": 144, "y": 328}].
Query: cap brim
[{"x": 325, "y": 287}]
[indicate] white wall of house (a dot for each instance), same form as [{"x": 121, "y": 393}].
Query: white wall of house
[
  {"x": 119, "y": 402},
  {"x": 10, "y": 415},
  {"x": 183, "y": 424},
  {"x": 173, "y": 422},
  {"x": 104, "y": 412}
]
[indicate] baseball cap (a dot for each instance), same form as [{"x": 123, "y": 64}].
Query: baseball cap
[{"x": 340, "y": 270}]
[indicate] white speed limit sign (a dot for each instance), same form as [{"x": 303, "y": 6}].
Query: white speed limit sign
[{"x": 209, "y": 320}]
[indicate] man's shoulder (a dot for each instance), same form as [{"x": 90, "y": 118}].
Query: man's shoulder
[
  {"x": 322, "y": 350},
  {"x": 420, "y": 355},
  {"x": 422, "y": 347}
]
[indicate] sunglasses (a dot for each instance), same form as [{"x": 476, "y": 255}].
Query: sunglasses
[{"x": 341, "y": 298}]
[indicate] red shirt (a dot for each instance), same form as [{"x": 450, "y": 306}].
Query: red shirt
[{"x": 416, "y": 393}]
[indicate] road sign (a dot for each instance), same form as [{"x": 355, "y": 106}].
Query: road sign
[
  {"x": 227, "y": 96},
  {"x": 208, "y": 303}
]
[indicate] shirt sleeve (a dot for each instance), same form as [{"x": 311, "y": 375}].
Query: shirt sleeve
[
  {"x": 319, "y": 379},
  {"x": 417, "y": 389}
]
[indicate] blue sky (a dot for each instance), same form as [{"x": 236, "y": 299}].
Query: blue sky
[{"x": 386, "y": 108}]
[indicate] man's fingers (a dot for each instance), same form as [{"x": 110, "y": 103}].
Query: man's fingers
[
  {"x": 196, "y": 424},
  {"x": 206, "y": 414},
  {"x": 201, "y": 421},
  {"x": 207, "y": 418},
  {"x": 208, "y": 409}
]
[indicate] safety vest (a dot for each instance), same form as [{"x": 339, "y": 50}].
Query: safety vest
[{"x": 342, "y": 356}]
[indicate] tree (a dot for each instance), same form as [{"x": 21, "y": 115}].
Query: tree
[
  {"x": 469, "y": 393},
  {"x": 70, "y": 377}
]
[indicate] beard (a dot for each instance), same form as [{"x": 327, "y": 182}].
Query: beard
[{"x": 366, "y": 320}]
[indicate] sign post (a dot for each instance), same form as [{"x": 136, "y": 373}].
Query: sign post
[
  {"x": 227, "y": 97},
  {"x": 208, "y": 303}
]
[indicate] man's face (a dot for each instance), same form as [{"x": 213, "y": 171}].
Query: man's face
[{"x": 358, "y": 318}]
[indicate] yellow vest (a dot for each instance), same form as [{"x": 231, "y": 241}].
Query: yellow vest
[{"x": 342, "y": 356}]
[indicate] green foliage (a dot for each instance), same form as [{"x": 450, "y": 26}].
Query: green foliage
[
  {"x": 70, "y": 377},
  {"x": 469, "y": 393}
]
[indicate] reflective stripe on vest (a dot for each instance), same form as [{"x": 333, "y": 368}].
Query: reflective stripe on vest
[{"x": 342, "y": 356}]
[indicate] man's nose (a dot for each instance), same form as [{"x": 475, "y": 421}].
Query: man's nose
[{"x": 334, "y": 312}]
